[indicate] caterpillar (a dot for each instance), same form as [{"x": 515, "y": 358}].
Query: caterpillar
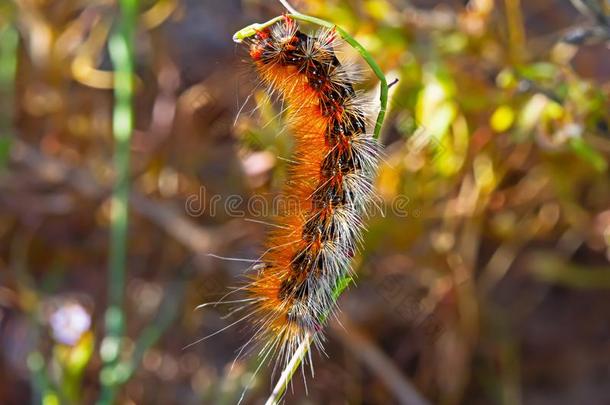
[{"x": 291, "y": 291}]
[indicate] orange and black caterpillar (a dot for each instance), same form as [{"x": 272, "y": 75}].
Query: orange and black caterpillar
[{"x": 331, "y": 177}]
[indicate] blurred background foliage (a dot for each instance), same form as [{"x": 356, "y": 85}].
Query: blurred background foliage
[{"x": 486, "y": 281}]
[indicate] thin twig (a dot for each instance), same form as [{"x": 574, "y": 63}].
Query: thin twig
[
  {"x": 168, "y": 310},
  {"x": 404, "y": 391},
  {"x": 288, "y": 7},
  {"x": 198, "y": 239}
]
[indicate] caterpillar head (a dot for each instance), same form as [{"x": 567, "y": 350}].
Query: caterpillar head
[{"x": 272, "y": 43}]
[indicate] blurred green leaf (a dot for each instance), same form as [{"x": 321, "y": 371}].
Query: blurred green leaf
[
  {"x": 552, "y": 269},
  {"x": 9, "y": 40},
  {"x": 589, "y": 154},
  {"x": 529, "y": 116},
  {"x": 542, "y": 71},
  {"x": 5, "y": 150},
  {"x": 73, "y": 361}
]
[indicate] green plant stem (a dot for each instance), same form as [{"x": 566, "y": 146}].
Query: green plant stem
[
  {"x": 289, "y": 370},
  {"x": 122, "y": 56},
  {"x": 9, "y": 41},
  {"x": 342, "y": 284}
]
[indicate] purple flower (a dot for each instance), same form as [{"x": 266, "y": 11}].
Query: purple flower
[{"x": 69, "y": 322}]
